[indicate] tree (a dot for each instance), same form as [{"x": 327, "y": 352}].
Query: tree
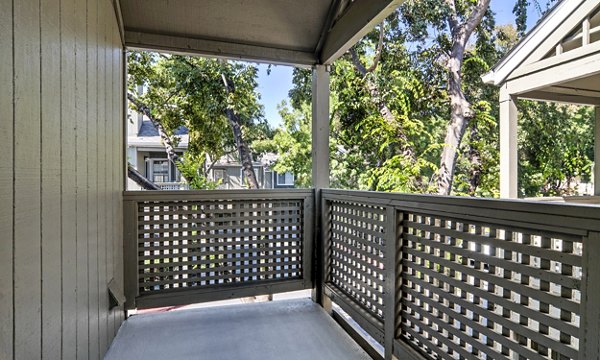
[
  {"x": 395, "y": 90},
  {"x": 556, "y": 150},
  {"x": 212, "y": 98}
]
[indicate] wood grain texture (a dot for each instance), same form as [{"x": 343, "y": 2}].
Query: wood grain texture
[
  {"x": 101, "y": 172},
  {"x": 60, "y": 213},
  {"x": 6, "y": 180},
  {"x": 68, "y": 203},
  {"x": 92, "y": 162},
  {"x": 27, "y": 255},
  {"x": 81, "y": 180},
  {"x": 51, "y": 179}
]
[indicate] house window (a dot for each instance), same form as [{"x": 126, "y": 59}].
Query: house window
[
  {"x": 160, "y": 171},
  {"x": 220, "y": 176},
  {"x": 285, "y": 179}
]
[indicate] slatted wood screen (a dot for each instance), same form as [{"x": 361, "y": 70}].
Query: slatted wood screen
[
  {"x": 357, "y": 253},
  {"x": 448, "y": 278},
  {"x": 480, "y": 290},
  {"x": 218, "y": 243}
]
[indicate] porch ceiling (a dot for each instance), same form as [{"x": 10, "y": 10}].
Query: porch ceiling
[
  {"x": 279, "y": 31},
  {"x": 583, "y": 91}
]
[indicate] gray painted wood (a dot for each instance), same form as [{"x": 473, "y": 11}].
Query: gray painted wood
[
  {"x": 392, "y": 245},
  {"x": 81, "y": 177},
  {"x": 92, "y": 163},
  {"x": 360, "y": 18},
  {"x": 51, "y": 178},
  {"x": 68, "y": 181},
  {"x": 48, "y": 198},
  {"x": 27, "y": 212},
  {"x": 590, "y": 318},
  {"x": 101, "y": 175},
  {"x": 320, "y": 127},
  {"x": 6, "y": 180}
]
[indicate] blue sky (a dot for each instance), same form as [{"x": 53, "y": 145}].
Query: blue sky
[{"x": 274, "y": 87}]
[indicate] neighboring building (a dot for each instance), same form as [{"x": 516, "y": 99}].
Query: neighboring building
[{"x": 146, "y": 153}]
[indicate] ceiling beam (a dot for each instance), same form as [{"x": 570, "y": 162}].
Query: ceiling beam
[
  {"x": 561, "y": 98},
  {"x": 214, "y": 48},
  {"x": 357, "y": 21},
  {"x": 570, "y": 90}
]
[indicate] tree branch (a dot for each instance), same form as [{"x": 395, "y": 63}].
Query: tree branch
[
  {"x": 476, "y": 16},
  {"x": 140, "y": 179},
  {"x": 379, "y": 48},
  {"x": 166, "y": 139},
  {"x": 452, "y": 17},
  {"x": 359, "y": 65}
]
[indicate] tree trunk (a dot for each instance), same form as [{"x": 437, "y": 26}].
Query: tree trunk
[
  {"x": 460, "y": 114},
  {"x": 460, "y": 108},
  {"x": 166, "y": 139},
  {"x": 140, "y": 179},
  {"x": 242, "y": 147},
  {"x": 475, "y": 160}
]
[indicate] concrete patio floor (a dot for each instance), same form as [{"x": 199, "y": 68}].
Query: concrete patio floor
[{"x": 289, "y": 329}]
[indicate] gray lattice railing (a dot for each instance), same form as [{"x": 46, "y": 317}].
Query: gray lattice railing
[
  {"x": 453, "y": 278},
  {"x": 195, "y": 246}
]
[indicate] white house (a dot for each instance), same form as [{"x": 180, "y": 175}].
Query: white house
[{"x": 146, "y": 153}]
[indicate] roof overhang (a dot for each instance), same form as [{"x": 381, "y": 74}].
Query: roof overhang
[
  {"x": 300, "y": 33},
  {"x": 543, "y": 29},
  {"x": 559, "y": 60}
]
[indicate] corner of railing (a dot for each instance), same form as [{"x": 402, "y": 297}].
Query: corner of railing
[
  {"x": 130, "y": 252},
  {"x": 309, "y": 240},
  {"x": 392, "y": 248},
  {"x": 589, "y": 347}
]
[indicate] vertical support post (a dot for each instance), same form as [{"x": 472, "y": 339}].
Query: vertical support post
[
  {"x": 589, "y": 339},
  {"x": 130, "y": 253},
  {"x": 307, "y": 242},
  {"x": 324, "y": 253},
  {"x": 320, "y": 127},
  {"x": 320, "y": 165},
  {"x": 597, "y": 152},
  {"x": 125, "y": 122},
  {"x": 585, "y": 32},
  {"x": 508, "y": 145},
  {"x": 392, "y": 247}
]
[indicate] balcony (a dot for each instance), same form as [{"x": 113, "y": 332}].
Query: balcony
[{"x": 425, "y": 276}]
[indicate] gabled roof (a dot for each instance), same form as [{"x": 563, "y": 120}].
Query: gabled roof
[
  {"x": 548, "y": 33},
  {"x": 148, "y": 129},
  {"x": 148, "y": 136},
  {"x": 297, "y": 32}
]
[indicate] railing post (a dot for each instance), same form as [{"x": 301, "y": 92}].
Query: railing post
[
  {"x": 589, "y": 345},
  {"x": 308, "y": 242},
  {"x": 321, "y": 250},
  {"x": 130, "y": 252},
  {"x": 392, "y": 248}
]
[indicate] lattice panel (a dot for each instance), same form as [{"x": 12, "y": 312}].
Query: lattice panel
[
  {"x": 356, "y": 259},
  {"x": 477, "y": 290},
  {"x": 192, "y": 244}
]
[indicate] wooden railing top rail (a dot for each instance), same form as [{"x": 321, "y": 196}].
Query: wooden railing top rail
[
  {"x": 562, "y": 217},
  {"x": 217, "y": 194}
]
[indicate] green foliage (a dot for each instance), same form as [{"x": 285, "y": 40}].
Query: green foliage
[
  {"x": 192, "y": 168},
  {"x": 189, "y": 91},
  {"x": 292, "y": 143},
  {"x": 369, "y": 152},
  {"x": 556, "y": 149}
]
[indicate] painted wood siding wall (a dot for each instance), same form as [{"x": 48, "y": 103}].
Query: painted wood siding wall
[{"x": 61, "y": 174}]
